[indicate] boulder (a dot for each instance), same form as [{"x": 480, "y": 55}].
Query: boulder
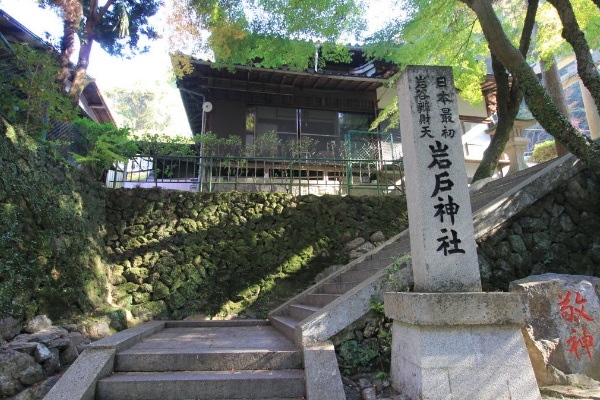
[
  {"x": 16, "y": 371},
  {"x": 79, "y": 340},
  {"x": 68, "y": 355},
  {"x": 51, "y": 337},
  {"x": 9, "y": 328},
  {"x": 41, "y": 353},
  {"x": 37, "y": 392},
  {"x": 23, "y": 347},
  {"x": 377, "y": 237},
  {"x": 96, "y": 329},
  {"x": 37, "y": 324},
  {"x": 52, "y": 365},
  {"x": 562, "y": 332},
  {"x": 353, "y": 244}
]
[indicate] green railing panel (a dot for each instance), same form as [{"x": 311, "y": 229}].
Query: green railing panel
[{"x": 291, "y": 175}]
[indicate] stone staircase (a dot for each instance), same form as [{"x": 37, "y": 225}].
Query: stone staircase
[
  {"x": 336, "y": 287},
  {"x": 175, "y": 360},
  {"x": 187, "y": 360},
  {"x": 326, "y": 308},
  {"x": 252, "y": 359}
]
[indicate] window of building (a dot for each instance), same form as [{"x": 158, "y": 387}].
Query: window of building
[{"x": 325, "y": 128}]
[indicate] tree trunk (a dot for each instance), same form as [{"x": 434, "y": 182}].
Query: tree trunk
[
  {"x": 571, "y": 33},
  {"x": 539, "y": 102},
  {"x": 80, "y": 78},
  {"x": 508, "y": 101},
  {"x": 72, "y": 12},
  {"x": 92, "y": 18},
  {"x": 553, "y": 85}
]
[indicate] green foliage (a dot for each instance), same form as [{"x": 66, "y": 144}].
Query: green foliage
[
  {"x": 544, "y": 151},
  {"x": 398, "y": 264},
  {"x": 305, "y": 147},
  {"x": 376, "y": 305},
  {"x": 140, "y": 109},
  {"x": 104, "y": 146},
  {"x": 360, "y": 358},
  {"x": 549, "y": 43},
  {"x": 210, "y": 144},
  {"x": 120, "y": 29},
  {"x": 164, "y": 145},
  {"x": 29, "y": 93},
  {"x": 273, "y": 32},
  {"x": 456, "y": 41},
  {"x": 267, "y": 144},
  {"x": 366, "y": 355}
]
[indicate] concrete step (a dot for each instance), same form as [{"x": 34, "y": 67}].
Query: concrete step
[
  {"x": 338, "y": 288},
  {"x": 161, "y": 360},
  {"x": 319, "y": 299},
  {"x": 301, "y": 311},
  {"x": 211, "y": 348},
  {"x": 498, "y": 187},
  {"x": 388, "y": 256},
  {"x": 360, "y": 275},
  {"x": 284, "y": 324},
  {"x": 373, "y": 263},
  {"x": 259, "y": 384}
]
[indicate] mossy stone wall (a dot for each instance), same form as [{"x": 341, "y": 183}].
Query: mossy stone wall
[
  {"x": 69, "y": 246},
  {"x": 51, "y": 232},
  {"x": 559, "y": 233},
  {"x": 181, "y": 253}
]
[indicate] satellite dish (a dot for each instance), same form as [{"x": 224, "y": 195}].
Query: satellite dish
[{"x": 207, "y": 106}]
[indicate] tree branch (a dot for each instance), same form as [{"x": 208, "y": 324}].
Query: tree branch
[
  {"x": 528, "y": 27},
  {"x": 572, "y": 33},
  {"x": 538, "y": 100},
  {"x": 465, "y": 43},
  {"x": 104, "y": 9}
]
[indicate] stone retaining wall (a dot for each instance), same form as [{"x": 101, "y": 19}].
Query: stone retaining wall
[
  {"x": 560, "y": 233},
  {"x": 175, "y": 254}
]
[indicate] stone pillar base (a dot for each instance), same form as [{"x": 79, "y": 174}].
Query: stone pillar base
[
  {"x": 460, "y": 346},
  {"x": 515, "y": 149}
]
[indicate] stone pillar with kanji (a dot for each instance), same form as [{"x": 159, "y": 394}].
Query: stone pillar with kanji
[{"x": 450, "y": 339}]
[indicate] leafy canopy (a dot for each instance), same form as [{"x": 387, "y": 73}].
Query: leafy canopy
[
  {"x": 269, "y": 33},
  {"x": 29, "y": 93},
  {"x": 119, "y": 30}
]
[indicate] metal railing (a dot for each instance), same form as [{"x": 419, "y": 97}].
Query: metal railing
[{"x": 288, "y": 175}]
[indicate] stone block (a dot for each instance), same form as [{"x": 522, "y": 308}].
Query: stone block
[
  {"x": 562, "y": 333},
  {"x": 475, "y": 308},
  {"x": 79, "y": 382},
  {"x": 323, "y": 379},
  {"x": 462, "y": 362}
]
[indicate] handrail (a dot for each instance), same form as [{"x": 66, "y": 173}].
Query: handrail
[{"x": 292, "y": 175}]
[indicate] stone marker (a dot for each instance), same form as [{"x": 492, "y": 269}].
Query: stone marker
[
  {"x": 450, "y": 340},
  {"x": 564, "y": 337},
  {"x": 439, "y": 207}
]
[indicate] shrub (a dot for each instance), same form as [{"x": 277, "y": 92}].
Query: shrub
[
  {"x": 30, "y": 96},
  {"x": 104, "y": 146},
  {"x": 544, "y": 151}
]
